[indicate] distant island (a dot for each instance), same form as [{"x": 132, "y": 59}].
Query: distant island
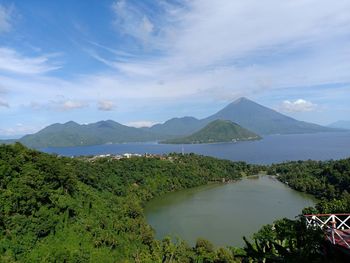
[
  {"x": 342, "y": 124},
  {"x": 254, "y": 117},
  {"x": 217, "y": 131}
]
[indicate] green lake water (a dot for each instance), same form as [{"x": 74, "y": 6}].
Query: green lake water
[{"x": 224, "y": 213}]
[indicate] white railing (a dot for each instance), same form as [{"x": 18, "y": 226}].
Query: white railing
[{"x": 336, "y": 227}]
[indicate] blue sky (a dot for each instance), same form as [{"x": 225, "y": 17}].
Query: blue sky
[{"x": 143, "y": 62}]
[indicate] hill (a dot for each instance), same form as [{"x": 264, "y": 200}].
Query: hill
[
  {"x": 263, "y": 120},
  {"x": 340, "y": 124},
  {"x": 74, "y": 134},
  {"x": 218, "y": 131}
]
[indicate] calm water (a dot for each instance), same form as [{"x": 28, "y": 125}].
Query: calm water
[
  {"x": 271, "y": 149},
  {"x": 224, "y": 213}
]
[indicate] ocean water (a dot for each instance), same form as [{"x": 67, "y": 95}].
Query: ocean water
[{"x": 271, "y": 149}]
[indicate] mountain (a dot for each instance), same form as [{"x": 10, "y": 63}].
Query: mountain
[
  {"x": 248, "y": 114},
  {"x": 218, "y": 131},
  {"x": 178, "y": 126},
  {"x": 74, "y": 134},
  {"x": 263, "y": 120},
  {"x": 340, "y": 124},
  {"x": 244, "y": 112}
]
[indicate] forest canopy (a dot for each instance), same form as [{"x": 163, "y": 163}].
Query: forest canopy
[{"x": 59, "y": 209}]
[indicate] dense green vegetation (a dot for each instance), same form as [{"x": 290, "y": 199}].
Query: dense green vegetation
[
  {"x": 218, "y": 131},
  {"x": 289, "y": 240},
  {"x": 329, "y": 181},
  {"x": 58, "y": 209}
]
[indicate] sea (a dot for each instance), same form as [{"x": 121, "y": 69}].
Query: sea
[{"x": 271, "y": 149}]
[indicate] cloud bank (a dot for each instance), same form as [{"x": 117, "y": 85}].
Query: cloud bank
[
  {"x": 11, "y": 61},
  {"x": 167, "y": 52},
  {"x": 299, "y": 105},
  {"x": 4, "y": 104},
  {"x": 140, "y": 124},
  {"x": 106, "y": 105}
]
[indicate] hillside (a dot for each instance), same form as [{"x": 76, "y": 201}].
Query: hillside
[
  {"x": 74, "y": 134},
  {"x": 218, "y": 131}
]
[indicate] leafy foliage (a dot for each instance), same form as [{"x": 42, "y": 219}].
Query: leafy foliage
[
  {"x": 58, "y": 209},
  {"x": 328, "y": 181},
  {"x": 286, "y": 241},
  {"x": 290, "y": 240}
]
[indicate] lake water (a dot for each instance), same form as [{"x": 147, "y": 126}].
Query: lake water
[
  {"x": 271, "y": 149},
  {"x": 224, "y": 213}
]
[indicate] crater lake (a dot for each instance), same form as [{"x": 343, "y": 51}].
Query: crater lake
[{"x": 224, "y": 213}]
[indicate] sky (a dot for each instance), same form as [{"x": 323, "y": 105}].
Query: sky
[{"x": 141, "y": 62}]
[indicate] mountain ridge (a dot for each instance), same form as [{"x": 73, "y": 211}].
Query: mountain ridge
[
  {"x": 244, "y": 112},
  {"x": 177, "y": 126},
  {"x": 74, "y": 134}
]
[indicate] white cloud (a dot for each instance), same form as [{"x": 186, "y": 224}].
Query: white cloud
[
  {"x": 3, "y": 90},
  {"x": 216, "y": 33},
  {"x": 4, "y": 104},
  {"x": 208, "y": 51},
  {"x": 140, "y": 124},
  {"x": 242, "y": 47},
  {"x": 60, "y": 104},
  {"x": 299, "y": 105},
  {"x": 71, "y": 105},
  {"x": 12, "y": 61},
  {"x": 106, "y": 105},
  {"x": 147, "y": 25},
  {"x": 5, "y": 19},
  {"x": 132, "y": 21},
  {"x": 35, "y": 105}
]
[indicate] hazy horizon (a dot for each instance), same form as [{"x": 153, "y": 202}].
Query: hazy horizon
[
  {"x": 144, "y": 62},
  {"x": 130, "y": 124}
]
